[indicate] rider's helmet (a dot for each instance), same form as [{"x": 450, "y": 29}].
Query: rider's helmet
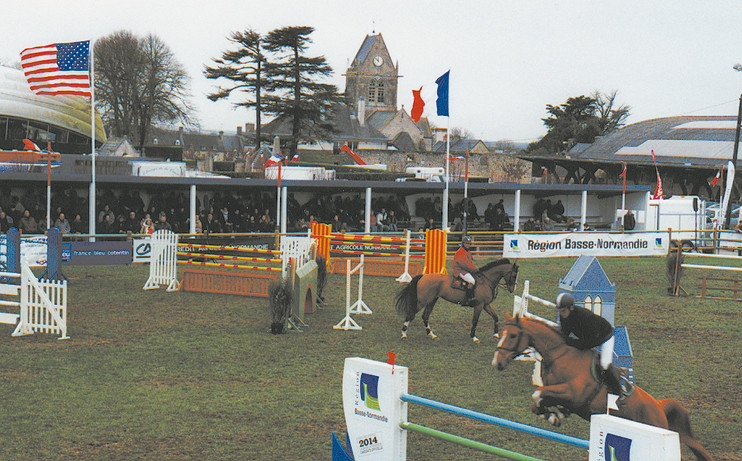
[
  {"x": 466, "y": 239},
  {"x": 564, "y": 301}
]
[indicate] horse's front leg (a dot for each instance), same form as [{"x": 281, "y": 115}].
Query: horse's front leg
[
  {"x": 475, "y": 321},
  {"x": 426, "y": 318},
  {"x": 488, "y": 309},
  {"x": 558, "y": 395}
]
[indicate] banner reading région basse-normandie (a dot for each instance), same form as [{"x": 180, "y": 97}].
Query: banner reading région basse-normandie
[{"x": 585, "y": 243}]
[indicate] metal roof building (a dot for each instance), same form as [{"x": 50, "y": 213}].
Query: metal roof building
[{"x": 688, "y": 149}]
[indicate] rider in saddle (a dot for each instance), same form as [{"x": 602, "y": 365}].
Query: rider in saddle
[
  {"x": 463, "y": 265},
  {"x": 585, "y": 330}
]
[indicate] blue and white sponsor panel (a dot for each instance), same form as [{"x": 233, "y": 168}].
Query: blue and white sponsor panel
[
  {"x": 585, "y": 244},
  {"x": 618, "y": 439}
]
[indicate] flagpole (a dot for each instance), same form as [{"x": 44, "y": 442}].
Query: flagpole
[
  {"x": 466, "y": 188},
  {"x": 623, "y": 194},
  {"x": 91, "y": 224},
  {"x": 48, "y": 184},
  {"x": 444, "y": 224}
]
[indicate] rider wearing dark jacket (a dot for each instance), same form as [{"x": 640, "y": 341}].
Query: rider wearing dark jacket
[{"x": 585, "y": 330}]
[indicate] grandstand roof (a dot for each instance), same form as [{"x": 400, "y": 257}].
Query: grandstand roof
[{"x": 702, "y": 141}]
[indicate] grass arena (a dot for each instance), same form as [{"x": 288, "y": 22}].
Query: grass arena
[{"x": 188, "y": 375}]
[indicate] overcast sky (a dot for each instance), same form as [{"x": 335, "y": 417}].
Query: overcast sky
[{"x": 508, "y": 59}]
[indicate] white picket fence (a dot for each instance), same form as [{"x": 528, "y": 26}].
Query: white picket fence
[{"x": 41, "y": 304}]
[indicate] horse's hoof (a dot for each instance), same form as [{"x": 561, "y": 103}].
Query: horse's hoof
[
  {"x": 554, "y": 420},
  {"x": 496, "y": 336},
  {"x": 475, "y": 339},
  {"x": 404, "y": 338},
  {"x": 434, "y": 337}
]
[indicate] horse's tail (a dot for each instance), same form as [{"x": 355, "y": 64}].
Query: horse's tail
[
  {"x": 678, "y": 420},
  {"x": 406, "y": 299}
]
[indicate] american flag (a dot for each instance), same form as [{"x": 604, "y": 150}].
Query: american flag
[{"x": 59, "y": 68}]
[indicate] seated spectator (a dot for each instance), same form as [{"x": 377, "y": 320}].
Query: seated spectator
[
  {"x": 132, "y": 224},
  {"x": 27, "y": 224},
  {"x": 211, "y": 225},
  {"x": 572, "y": 225},
  {"x": 336, "y": 224},
  {"x": 78, "y": 226},
  {"x": 63, "y": 224},
  {"x": 6, "y": 222},
  {"x": 147, "y": 226},
  {"x": 530, "y": 225},
  {"x": 162, "y": 223},
  {"x": 106, "y": 226},
  {"x": 392, "y": 221}
]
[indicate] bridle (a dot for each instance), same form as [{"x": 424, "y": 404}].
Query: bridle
[
  {"x": 514, "y": 350},
  {"x": 501, "y": 282}
]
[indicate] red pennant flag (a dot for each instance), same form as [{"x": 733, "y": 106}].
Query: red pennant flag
[
  {"x": 391, "y": 360},
  {"x": 658, "y": 192},
  {"x": 417, "y": 105}
]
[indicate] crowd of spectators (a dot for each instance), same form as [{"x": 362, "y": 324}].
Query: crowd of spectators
[
  {"x": 233, "y": 212},
  {"x": 247, "y": 211}
]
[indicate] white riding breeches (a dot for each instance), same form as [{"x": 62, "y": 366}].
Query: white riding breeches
[
  {"x": 468, "y": 277},
  {"x": 606, "y": 352}
]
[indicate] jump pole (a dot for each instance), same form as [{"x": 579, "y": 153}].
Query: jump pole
[{"x": 405, "y": 277}]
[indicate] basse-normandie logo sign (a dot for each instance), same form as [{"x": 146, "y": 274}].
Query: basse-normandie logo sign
[
  {"x": 514, "y": 245},
  {"x": 617, "y": 448},
  {"x": 370, "y": 391}
]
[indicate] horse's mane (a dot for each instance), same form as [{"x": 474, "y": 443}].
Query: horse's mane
[
  {"x": 492, "y": 264},
  {"x": 540, "y": 322}
]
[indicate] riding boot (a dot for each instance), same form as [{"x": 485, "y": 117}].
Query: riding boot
[
  {"x": 612, "y": 380},
  {"x": 470, "y": 295}
]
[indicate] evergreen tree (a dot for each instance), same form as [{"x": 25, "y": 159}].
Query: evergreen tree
[
  {"x": 244, "y": 68},
  {"x": 296, "y": 94},
  {"x": 579, "y": 120}
]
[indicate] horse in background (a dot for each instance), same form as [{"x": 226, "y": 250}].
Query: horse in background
[
  {"x": 571, "y": 387},
  {"x": 423, "y": 292}
]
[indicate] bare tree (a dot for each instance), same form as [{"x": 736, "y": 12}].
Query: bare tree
[
  {"x": 138, "y": 83},
  {"x": 610, "y": 119}
]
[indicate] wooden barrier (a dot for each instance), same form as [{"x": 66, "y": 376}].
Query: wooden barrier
[
  {"x": 227, "y": 282},
  {"x": 433, "y": 246},
  {"x": 708, "y": 290}
]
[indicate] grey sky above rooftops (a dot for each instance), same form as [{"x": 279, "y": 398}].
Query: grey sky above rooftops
[{"x": 508, "y": 60}]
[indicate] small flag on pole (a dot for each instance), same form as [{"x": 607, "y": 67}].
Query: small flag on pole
[
  {"x": 274, "y": 159},
  {"x": 58, "y": 69},
  {"x": 716, "y": 178},
  {"x": 623, "y": 175},
  {"x": 658, "y": 192}
]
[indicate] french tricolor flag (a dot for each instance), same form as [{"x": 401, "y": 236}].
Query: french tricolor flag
[
  {"x": 428, "y": 94},
  {"x": 274, "y": 159},
  {"x": 716, "y": 178}
]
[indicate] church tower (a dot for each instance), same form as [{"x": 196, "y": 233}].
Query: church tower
[{"x": 372, "y": 77}]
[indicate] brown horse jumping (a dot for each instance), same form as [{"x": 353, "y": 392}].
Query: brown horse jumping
[
  {"x": 424, "y": 290},
  {"x": 570, "y": 387}
]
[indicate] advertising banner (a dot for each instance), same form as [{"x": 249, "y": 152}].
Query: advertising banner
[
  {"x": 585, "y": 243},
  {"x": 373, "y": 409},
  {"x": 618, "y": 439},
  {"x": 97, "y": 253},
  {"x": 33, "y": 250}
]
